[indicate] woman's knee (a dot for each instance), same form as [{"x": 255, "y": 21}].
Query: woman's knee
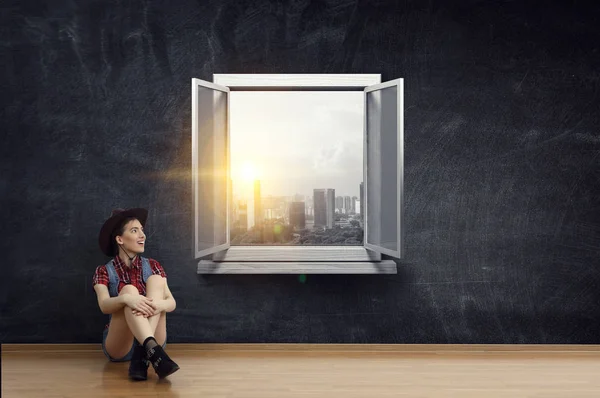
[
  {"x": 129, "y": 289},
  {"x": 155, "y": 279}
]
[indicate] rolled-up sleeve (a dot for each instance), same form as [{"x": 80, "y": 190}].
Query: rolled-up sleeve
[
  {"x": 157, "y": 269},
  {"x": 100, "y": 276}
]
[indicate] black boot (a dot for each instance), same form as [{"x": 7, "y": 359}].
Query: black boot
[
  {"x": 162, "y": 364},
  {"x": 138, "y": 367}
]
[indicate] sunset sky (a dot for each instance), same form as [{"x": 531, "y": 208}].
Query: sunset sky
[{"x": 296, "y": 141}]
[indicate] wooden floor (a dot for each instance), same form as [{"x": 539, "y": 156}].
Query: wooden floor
[{"x": 265, "y": 371}]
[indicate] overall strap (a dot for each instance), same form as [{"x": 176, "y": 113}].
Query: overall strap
[
  {"x": 146, "y": 269},
  {"x": 113, "y": 279}
]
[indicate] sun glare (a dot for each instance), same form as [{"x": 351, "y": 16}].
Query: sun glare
[{"x": 249, "y": 172}]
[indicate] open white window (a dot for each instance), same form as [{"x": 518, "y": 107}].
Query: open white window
[
  {"x": 210, "y": 167},
  {"x": 384, "y": 159},
  {"x": 382, "y": 179}
]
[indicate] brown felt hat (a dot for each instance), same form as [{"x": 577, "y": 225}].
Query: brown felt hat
[{"x": 118, "y": 215}]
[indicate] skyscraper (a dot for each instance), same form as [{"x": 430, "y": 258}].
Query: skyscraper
[
  {"x": 320, "y": 202},
  {"x": 354, "y": 200},
  {"x": 330, "y": 207},
  {"x": 258, "y": 212},
  {"x": 362, "y": 201},
  {"x": 242, "y": 221},
  {"x": 347, "y": 204},
  {"x": 232, "y": 206},
  {"x": 310, "y": 211},
  {"x": 324, "y": 202},
  {"x": 339, "y": 204},
  {"x": 297, "y": 216}
]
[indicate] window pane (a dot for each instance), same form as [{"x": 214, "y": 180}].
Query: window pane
[
  {"x": 297, "y": 167},
  {"x": 212, "y": 168},
  {"x": 382, "y": 168}
]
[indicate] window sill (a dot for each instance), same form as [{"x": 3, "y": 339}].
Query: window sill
[
  {"x": 297, "y": 267},
  {"x": 298, "y": 253}
]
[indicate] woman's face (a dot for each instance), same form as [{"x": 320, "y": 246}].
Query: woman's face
[{"x": 133, "y": 238}]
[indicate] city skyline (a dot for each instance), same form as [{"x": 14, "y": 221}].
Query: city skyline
[
  {"x": 348, "y": 201},
  {"x": 292, "y": 195},
  {"x": 321, "y": 207}
]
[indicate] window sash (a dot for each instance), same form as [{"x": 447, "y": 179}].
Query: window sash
[
  {"x": 374, "y": 233},
  {"x": 212, "y": 216}
]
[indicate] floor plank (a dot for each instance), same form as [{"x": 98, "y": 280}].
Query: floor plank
[{"x": 248, "y": 373}]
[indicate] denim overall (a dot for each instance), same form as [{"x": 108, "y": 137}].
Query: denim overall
[{"x": 113, "y": 290}]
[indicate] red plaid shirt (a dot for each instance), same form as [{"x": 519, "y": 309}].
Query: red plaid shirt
[{"x": 128, "y": 275}]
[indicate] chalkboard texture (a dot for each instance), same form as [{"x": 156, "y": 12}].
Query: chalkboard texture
[{"x": 502, "y": 184}]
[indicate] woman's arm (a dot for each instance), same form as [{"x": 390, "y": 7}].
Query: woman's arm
[
  {"x": 107, "y": 304},
  {"x": 169, "y": 303}
]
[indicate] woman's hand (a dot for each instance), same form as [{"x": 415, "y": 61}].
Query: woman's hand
[
  {"x": 158, "y": 307},
  {"x": 140, "y": 305}
]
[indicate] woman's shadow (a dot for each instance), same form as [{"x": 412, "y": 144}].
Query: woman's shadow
[{"x": 114, "y": 379}]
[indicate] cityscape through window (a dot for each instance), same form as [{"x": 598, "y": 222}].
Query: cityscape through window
[{"x": 296, "y": 168}]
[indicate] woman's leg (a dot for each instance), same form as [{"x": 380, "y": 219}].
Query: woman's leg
[
  {"x": 138, "y": 325},
  {"x": 161, "y": 329},
  {"x": 124, "y": 327},
  {"x": 119, "y": 338},
  {"x": 163, "y": 365},
  {"x": 155, "y": 289}
]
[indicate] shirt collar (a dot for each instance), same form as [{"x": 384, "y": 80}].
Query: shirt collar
[{"x": 135, "y": 263}]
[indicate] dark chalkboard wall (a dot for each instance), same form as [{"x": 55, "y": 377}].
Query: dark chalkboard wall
[{"x": 502, "y": 179}]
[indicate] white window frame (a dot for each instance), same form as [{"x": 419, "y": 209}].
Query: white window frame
[{"x": 301, "y": 259}]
